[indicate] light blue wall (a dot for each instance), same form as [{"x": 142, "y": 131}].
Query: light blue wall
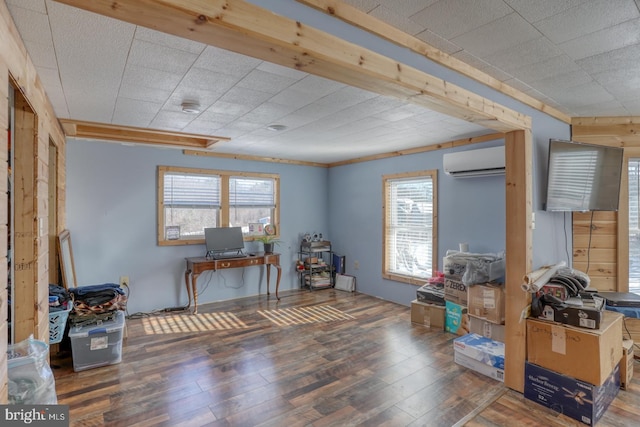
[
  {"x": 470, "y": 210},
  {"x": 111, "y": 213}
]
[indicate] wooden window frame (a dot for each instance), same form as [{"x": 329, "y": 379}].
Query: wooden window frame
[
  {"x": 433, "y": 175},
  {"x": 224, "y": 175}
]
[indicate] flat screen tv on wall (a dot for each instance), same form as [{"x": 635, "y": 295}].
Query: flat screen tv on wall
[{"x": 583, "y": 177}]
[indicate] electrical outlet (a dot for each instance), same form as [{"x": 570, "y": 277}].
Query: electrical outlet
[
  {"x": 356, "y": 265},
  {"x": 124, "y": 280}
]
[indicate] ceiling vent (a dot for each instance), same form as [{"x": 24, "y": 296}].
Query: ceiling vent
[{"x": 474, "y": 163}]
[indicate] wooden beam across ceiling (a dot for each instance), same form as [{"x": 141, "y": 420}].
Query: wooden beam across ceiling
[
  {"x": 369, "y": 23},
  {"x": 107, "y": 132},
  {"x": 244, "y": 28}
]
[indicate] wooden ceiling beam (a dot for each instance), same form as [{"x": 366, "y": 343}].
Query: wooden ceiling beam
[
  {"x": 108, "y": 132},
  {"x": 244, "y": 28},
  {"x": 373, "y": 25}
]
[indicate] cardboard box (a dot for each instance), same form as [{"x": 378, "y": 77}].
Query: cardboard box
[
  {"x": 585, "y": 354},
  {"x": 626, "y": 365},
  {"x": 576, "y": 399},
  {"x": 427, "y": 314},
  {"x": 585, "y": 317},
  {"x": 486, "y": 301},
  {"x": 477, "y": 366},
  {"x": 455, "y": 291},
  {"x": 482, "y": 349},
  {"x": 486, "y": 329},
  {"x": 456, "y": 318}
]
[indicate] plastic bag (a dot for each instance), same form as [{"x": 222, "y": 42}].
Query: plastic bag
[{"x": 31, "y": 380}]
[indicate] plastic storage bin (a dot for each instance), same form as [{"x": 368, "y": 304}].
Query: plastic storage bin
[
  {"x": 57, "y": 324},
  {"x": 97, "y": 345}
]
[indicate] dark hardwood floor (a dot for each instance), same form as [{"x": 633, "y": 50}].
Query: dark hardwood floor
[{"x": 322, "y": 358}]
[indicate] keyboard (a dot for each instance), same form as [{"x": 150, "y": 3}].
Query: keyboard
[{"x": 227, "y": 256}]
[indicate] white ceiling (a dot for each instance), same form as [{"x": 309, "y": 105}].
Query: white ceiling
[{"x": 579, "y": 56}]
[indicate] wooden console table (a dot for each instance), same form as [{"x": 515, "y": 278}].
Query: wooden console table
[{"x": 197, "y": 265}]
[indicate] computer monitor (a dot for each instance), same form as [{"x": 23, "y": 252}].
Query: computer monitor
[{"x": 223, "y": 239}]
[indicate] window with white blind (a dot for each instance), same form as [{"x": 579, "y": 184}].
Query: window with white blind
[
  {"x": 410, "y": 226},
  {"x": 190, "y": 200},
  {"x": 634, "y": 225}
]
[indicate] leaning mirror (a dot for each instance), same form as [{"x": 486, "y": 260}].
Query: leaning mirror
[{"x": 66, "y": 260}]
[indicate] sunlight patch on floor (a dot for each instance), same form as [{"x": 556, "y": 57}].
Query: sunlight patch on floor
[
  {"x": 202, "y": 322},
  {"x": 304, "y": 315}
]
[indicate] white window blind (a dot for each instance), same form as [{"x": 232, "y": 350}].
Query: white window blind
[
  {"x": 251, "y": 192},
  {"x": 409, "y": 226},
  {"x": 571, "y": 178},
  {"x": 193, "y": 191}
]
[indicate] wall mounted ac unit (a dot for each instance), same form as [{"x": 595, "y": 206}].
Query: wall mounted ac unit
[{"x": 481, "y": 162}]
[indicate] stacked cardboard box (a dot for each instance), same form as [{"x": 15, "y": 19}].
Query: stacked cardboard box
[
  {"x": 574, "y": 370},
  {"x": 474, "y": 307}
]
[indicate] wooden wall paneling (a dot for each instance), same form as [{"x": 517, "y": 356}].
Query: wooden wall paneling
[
  {"x": 519, "y": 247},
  {"x": 4, "y": 312},
  {"x": 607, "y": 227},
  {"x": 24, "y": 232}
]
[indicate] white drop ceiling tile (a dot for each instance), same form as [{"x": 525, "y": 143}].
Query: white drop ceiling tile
[
  {"x": 557, "y": 65},
  {"x": 438, "y": 42},
  {"x": 150, "y": 55},
  {"x": 346, "y": 97},
  {"x": 242, "y": 126},
  {"x": 265, "y": 82},
  {"x": 248, "y": 97},
  {"x": 623, "y": 83},
  {"x": 292, "y": 97},
  {"x": 500, "y": 34},
  {"x": 536, "y": 10},
  {"x": 230, "y": 109},
  {"x": 602, "y": 109},
  {"x": 529, "y": 52},
  {"x": 394, "y": 17},
  {"x": 279, "y": 69},
  {"x": 611, "y": 38},
  {"x": 626, "y": 57},
  {"x": 451, "y": 18},
  {"x": 224, "y": 61},
  {"x": 561, "y": 81},
  {"x": 586, "y": 94},
  {"x": 296, "y": 120},
  {"x": 316, "y": 86},
  {"x": 267, "y": 113},
  {"x": 151, "y": 78},
  {"x": 406, "y": 8},
  {"x": 363, "y": 5},
  {"x": 51, "y": 82},
  {"x": 170, "y": 120},
  {"x": 211, "y": 122},
  {"x": 34, "y": 5},
  {"x": 587, "y": 18},
  {"x": 168, "y": 40},
  {"x": 32, "y": 25},
  {"x": 199, "y": 78},
  {"x": 315, "y": 111},
  {"x": 41, "y": 55},
  {"x": 201, "y": 97},
  {"x": 142, "y": 93},
  {"x": 134, "y": 113}
]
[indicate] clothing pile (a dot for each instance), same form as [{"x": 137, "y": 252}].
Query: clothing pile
[
  {"x": 59, "y": 299},
  {"x": 92, "y": 300}
]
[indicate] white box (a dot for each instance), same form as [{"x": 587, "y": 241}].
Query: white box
[
  {"x": 480, "y": 367},
  {"x": 97, "y": 345}
]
